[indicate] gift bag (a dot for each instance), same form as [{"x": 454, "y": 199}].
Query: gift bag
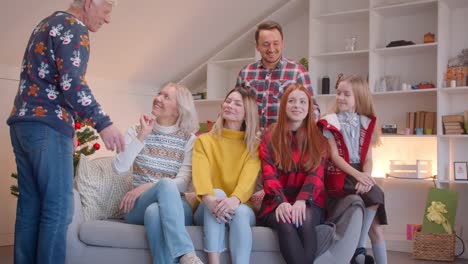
[{"x": 436, "y": 241}]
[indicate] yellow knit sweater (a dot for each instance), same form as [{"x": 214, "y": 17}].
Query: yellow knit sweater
[{"x": 224, "y": 162}]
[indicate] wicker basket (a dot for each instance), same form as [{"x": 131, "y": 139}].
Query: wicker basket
[{"x": 434, "y": 246}]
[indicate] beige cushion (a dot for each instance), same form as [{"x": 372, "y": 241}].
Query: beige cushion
[{"x": 100, "y": 188}]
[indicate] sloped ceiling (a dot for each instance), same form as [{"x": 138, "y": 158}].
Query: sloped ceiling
[{"x": 148, "y": 41}]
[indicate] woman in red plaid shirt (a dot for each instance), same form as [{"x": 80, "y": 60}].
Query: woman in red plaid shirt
[{"x": 293, "y": 155}]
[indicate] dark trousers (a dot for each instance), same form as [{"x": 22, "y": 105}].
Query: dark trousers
[{"x": 297, "y": 244}]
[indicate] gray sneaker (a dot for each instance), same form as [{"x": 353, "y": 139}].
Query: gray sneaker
[{"x": 190, "y": 258}]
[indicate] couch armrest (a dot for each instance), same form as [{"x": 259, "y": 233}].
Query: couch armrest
[
  {"x": 347, "y": 213},
  {"x": 75, "y": 248}
]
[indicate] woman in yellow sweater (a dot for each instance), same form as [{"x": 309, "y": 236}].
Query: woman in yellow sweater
[{"x": 225, "y": 166}]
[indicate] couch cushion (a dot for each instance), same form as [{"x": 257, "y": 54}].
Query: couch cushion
[
  {"x": 100, "y": 188},
  {"x": 114, "y": 233},
  {"x": 108, "y": 233}
]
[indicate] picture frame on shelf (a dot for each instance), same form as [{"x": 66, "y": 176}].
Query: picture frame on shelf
[{"x": 460, "y": 170}]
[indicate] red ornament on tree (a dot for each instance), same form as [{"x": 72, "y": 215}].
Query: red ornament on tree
[
  {"x": 96, "y": 146},
  {"x": 77, "y": 125},
  {"x": 78, "y": 143}
]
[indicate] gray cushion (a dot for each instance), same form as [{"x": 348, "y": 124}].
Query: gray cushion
[{"x": 113, "y": 233}]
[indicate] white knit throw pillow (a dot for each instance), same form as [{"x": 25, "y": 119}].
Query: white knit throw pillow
[{"x": 100, "y": 188}]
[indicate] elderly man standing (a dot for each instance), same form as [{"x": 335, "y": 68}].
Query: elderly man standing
[
  {"x": 271, "y": 75},
  {"x": 52, "y": 90}
]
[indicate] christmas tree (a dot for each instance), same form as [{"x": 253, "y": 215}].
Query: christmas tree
[
  {"x": 86, "y": 145},
  {"x": 87, "y": 137}
]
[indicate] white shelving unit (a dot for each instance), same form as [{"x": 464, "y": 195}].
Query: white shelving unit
[
  {"x": 222, "y": 76},
  {"x": 316, "y": 29}
]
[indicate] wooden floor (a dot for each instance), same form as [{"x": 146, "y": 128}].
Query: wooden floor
[{"x": 6, "y": 257}]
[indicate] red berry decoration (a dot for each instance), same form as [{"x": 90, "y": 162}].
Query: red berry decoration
[
  {"x": 77, "y": 125},
  {"x": 96, "y": 146},
  {"x": 78, "y": 143}
]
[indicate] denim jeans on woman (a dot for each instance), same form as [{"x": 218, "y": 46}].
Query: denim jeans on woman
[
  {"x": 44, "y": 160},
  {"x": 240, "y": 232},
  {"x": 164, "y": 215}
]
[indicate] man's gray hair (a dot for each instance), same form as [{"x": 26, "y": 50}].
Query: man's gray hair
[{"x": 80, "y": 3}]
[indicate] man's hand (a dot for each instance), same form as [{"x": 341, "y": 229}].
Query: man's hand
[{"x": 113, "y": 139}]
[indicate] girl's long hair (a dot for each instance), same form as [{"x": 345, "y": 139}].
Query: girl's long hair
[
  {"x": 311, "y": 143},
  {"x": 251, "y": 120},
  {"x": 363, "y": 101},
  {"x": 188, "y": 117}
]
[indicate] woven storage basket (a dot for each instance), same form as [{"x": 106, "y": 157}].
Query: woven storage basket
[{"x": 434, "y": 246}]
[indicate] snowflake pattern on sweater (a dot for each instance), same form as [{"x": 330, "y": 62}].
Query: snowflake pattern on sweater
[{"x": 52, "y": 87}]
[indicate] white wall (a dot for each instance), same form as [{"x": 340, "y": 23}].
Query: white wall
[{"x": 123, "y": 101}]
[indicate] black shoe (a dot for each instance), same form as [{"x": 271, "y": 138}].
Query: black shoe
[{"x": 368, "y": 259}]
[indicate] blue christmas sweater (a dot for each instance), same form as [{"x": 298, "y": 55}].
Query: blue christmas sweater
[{"x": 52, "y": 87}]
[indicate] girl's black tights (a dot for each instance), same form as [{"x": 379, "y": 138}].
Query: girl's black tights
[{"x": 297, "y": 245}]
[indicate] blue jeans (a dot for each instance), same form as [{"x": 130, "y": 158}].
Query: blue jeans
[
  {"x": 164, "y": 215},
  {"x": 240, "y": 233},
  {"x": 44, "y": 160}
]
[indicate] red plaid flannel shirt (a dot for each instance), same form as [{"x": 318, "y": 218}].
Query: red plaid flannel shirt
[
  {"x": 281, "y": 186},
  {"x": 269, "y": 86}
]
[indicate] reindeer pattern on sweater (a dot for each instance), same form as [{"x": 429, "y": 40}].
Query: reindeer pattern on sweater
[{"x": 52, "y": 87}]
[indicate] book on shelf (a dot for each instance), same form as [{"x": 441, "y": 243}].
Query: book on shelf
[
  {"x": 410, "y": 122},
  {"x": 456, "y": 126},
  {"x": 453, "y": 118},
  {"x": 421, "y": 119},
  {"x": 454, "y": 131},
  {"x": 453, "y": 128},
  {"x": 466, "y": 121},
  {"x": 453, "y": 123},
  {"x": 429, "y": 120}
]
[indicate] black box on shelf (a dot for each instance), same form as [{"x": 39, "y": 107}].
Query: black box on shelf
[{"x": 389, "y": 129}]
